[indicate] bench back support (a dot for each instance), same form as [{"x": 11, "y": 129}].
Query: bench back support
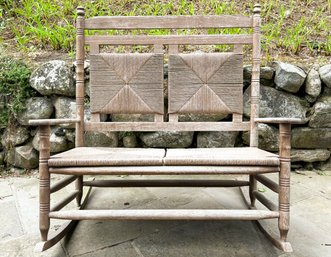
[{"x": 199, "y": 83}]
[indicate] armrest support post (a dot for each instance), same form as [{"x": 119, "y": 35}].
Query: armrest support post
[
  {"x": 284, "y": 179},
  {"x": 44, "y": 181}
]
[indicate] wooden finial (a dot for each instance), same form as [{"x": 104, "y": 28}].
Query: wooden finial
[
  {"x": 80, "y": 11},
  {"x": 257, "y": 9}
]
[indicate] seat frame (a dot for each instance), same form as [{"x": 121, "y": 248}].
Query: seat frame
[{"x": 255, "y": 171}]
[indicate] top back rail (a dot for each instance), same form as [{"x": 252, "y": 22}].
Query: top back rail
[{"x": 167, "y": 22}]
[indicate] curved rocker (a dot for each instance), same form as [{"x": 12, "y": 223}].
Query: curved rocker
[
  {"x": 62, "y": 231},
  {"x": 277, "y": 242}
]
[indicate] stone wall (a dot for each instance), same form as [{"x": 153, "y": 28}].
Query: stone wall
[{"x": 286, "y": 91}]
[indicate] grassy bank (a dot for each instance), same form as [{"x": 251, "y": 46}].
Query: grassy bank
[{"x": 290, "y": 27}]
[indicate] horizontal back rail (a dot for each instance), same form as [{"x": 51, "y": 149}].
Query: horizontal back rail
[
  {"x": 167, "y": 126},
  {"x": 168, "y": 22},
  {"x": 171, "y": 40}
]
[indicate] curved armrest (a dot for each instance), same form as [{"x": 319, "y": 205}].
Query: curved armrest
[
  {"x": 51, "y": 122},
  {"x": 281, "y": 120}
]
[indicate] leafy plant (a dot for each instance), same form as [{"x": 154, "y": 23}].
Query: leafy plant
[{"x": 14, "y": 88}]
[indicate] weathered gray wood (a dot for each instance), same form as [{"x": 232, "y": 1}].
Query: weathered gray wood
[
  {"x": 155, "y": 214},
  {"x": 58, "y": 206},
  {"x": 44, "y": 181},
  {"x": 168, "y": 22},
  {"x": 167, "y": 126},
  {"x": 64, "y": 229},
  {"x": 284, "y": 179},
  {"x": 52, "y": 122},
  {"x": 268, "y": 183},
  {"x": 80, "y": 55},
  {"x": 127, "y": 83},
  {"x": 198, "y": 83},
  {"x": 255, "y": 82},
  {"x": 205, "y": 83},
  {"x": 166, "y": 183},
  {"x": 266, "y": 202},
  {"x": 279, "y": 120},
  {"x": 164, "y": 170},
  {"x": 62, "y": 183},
  {"x": 264, "y": 228},
  {"x": 170, "y": 40}
]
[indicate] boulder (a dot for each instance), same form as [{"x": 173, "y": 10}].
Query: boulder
[
  {"x": 288, "y": 77},
  {"x": 70, "y": 135},
  {"x": 325, "y": 166},
  {"x": 326, "y": 91},
  {"x": 58, "y": 140},
  {"x": 325, "y": 74},
  {"x": 217, "y": 139},
  {"x": 130, "y": 141},
  {"x": 313, "y": 86},
  {"x": 36, "y": 108},
  {"x": 166, "y": 139},
  {"x": 53, "y": 77},
  {"x": 2, "y": 158},
  {"x": 26, "y": 157},
  {"x": 309, "y": 138},
  {"x": 304, "y": 155},
  {"x": 266, "y": 75},
  {"x": 202, "y": 117},
  {"x": 132, "y": 117},
  {"x": 65, "y": 107},
  {"x": 14, "y": 136},
  {"x": 321, "y": 113},
  {"x": 268, "y": 137},
  {"x": 109, "y": 139},
  {"x": 275, "y": 103}
]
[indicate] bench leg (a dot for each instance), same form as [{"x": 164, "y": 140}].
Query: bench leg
[
  {"x": 44, "y": 183},
  {"x": 284, "y": 200},
  {"x": 79, "y": 188},
  {"x": 252, "y": 188},
  {"x": 284, "y": 180}
]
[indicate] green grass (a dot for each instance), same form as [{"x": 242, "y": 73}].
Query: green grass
[{"x": 288, "y": 27}]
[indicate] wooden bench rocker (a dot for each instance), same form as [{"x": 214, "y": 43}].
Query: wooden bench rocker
[{"x": 198, "y": 83}]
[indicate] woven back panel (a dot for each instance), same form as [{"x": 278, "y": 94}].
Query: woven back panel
[
  {"x": 126, "y": 83},
  {"x": 206, "y": 83}
]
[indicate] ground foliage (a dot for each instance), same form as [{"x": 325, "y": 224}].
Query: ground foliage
[
  {"x": 14, "y": 89},
  {"x": 290, "y": 27}
]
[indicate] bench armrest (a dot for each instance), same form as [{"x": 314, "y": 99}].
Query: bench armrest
[
  {"x": 51, "y": 122},
  {"x": 281, "y": 120}
]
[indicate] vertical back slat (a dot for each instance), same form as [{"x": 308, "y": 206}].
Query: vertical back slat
[
  {"x": 80, "y": 55},
  {"x": 255, "y": 85}
]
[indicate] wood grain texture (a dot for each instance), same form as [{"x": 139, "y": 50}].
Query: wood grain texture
[
  {"x": 279, "y": 120},
  {"x": 127, "y": 83},
  {"x": 164, "y": 170},
  {"x": 173, "y": 125},
  {"x": 205, "y": 83},
  {"x": 156, "y": 214},
  {"x": 168, "y": 22},
  {"x": 166, "y": 183},
  {"x": 170, "y": 40}
]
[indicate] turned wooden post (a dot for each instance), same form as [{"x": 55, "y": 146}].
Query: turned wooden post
[
  {"x": 284, "y": 179},
  {"x": 255, "y": 91},
  {"x": 80, "y": 55},
  {"x": 44, "y": 181}
]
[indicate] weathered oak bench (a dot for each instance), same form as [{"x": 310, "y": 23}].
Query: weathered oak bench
[{"x": 198, "y": 83}]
